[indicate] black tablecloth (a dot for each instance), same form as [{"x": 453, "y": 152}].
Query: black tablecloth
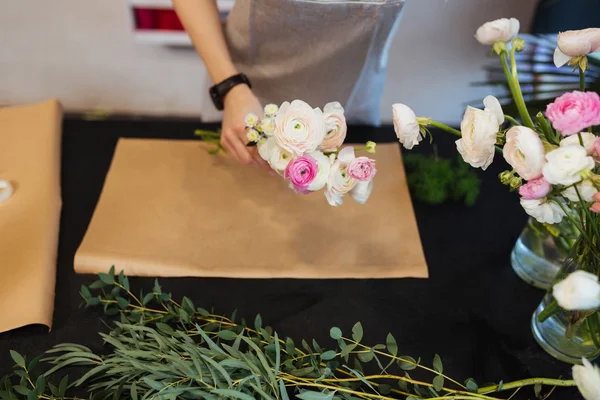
[{"x": 474, "y": 311}]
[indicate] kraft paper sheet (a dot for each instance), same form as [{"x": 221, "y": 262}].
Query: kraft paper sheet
[
  {"x": 30, "y": 139},
  {"x": 168, "y": 208}
]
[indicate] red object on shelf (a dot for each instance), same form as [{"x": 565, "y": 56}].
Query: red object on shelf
[{"x": 157, "y": 19}]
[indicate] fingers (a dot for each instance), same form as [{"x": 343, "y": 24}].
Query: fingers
[
  {"x": 238, "y": 148},
  {"x": 258, "y": 159}
]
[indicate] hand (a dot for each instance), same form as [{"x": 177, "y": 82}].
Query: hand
[{"x": 239, "y": 102}]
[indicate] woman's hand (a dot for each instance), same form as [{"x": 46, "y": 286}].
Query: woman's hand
[{"x": 239, "y": 102}]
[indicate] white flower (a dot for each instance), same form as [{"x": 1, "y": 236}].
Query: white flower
[
  {"x": 578, "y": 291},
  {"x": 340, "y": 182},
  {"x": 588, "y": 141},
  {"x": 406, "y": 125},
  {"x": 280, "y": 158},
  {"x": 299, "y": 128},
  {"x": 575, "y": 44},
  {"x": 491, "y": 103},
  {"x": 252, "y": 135},
  {"x": 544, "y": 211},
  {"x": 502, "y": 29},
  {"x": 271, "y": 109},
  {"x": 251, "y": 120},
  {"x": 361, "y": 192},
  {"x": 268, "y": 126},
  {"x": 479, "y": 129},
  {"x": 587, "y": 378},
  {"x": 524, "y": 151},
  {"x": 335, "y": 125},
  {"x": 265, "y": 148},
  {"x": 565, "y": 164},
  {"x": 323, "y": 174},
  {"x": 586, "y": 190}
]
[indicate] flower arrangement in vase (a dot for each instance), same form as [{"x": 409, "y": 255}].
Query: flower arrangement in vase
[{"x": 555, "y": 159}]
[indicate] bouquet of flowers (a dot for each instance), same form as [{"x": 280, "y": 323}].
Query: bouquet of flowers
[
  {"x": 554, "y": 159},
  {"x": 302, "y": 144}
]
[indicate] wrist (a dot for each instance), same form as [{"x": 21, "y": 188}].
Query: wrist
[{"x": 237, "y": 93}]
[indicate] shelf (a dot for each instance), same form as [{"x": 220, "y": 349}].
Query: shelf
[{"x": 163, "y": 38}]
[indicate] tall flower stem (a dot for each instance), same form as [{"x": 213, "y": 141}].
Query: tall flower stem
[
  {"x": 513, "y": 78},
  {"x": 446, "y": 128},
  {"x": 581, "y": 80},
  {"x": 528, "y": 382}
]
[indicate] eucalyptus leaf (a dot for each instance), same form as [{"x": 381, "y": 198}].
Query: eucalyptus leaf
[
  {"x": 283, "y": 391},
  {"x": 227, "y": 335},
  {"x": 147, "y": 298},
  {"x": 85, "y": 292},
  {"x": 385, "y": 389},
  {"x": 407, "y": 363},
  {"x": 258, "y": 323},
  {"x": 438, "y": 382},
  {"x": 328, "y": 355},
  {"x": 107, "y": 279},
  {"x": 312, "y": 395},
  {"x": 471, "y": 385},
  {"x": 335, "y": 333},
  {"x": 357, "y": 332},
  {"x": 232, "y": 394},
  {"x": 18, "y": 359},
  {"x": 437, "y": 364},
  {"x": 122, "y": 303},
  {"x": 391, "y": 345},
  {"x": 537, "y": 390},
  {"x": 21, "y": 390},
  {"x": 366, "y": 356}
]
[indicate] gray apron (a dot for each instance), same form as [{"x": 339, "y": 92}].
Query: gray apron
[{"x": 315, "y": 50}]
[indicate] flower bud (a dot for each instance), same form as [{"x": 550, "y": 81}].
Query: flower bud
[
  {"x": 505, "y": 177},
  {"x": 596, "y": 181},
  {"x": 518, "y": 44},
  {"x": 586, "y": 174},
  {"x": 499, "y": 47},
  {"x": 370, "y": 147},
  {"x": 516, "y": 182}
]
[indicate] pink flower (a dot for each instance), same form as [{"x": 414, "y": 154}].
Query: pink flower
[
  {"x": 362, "y": 169},
  {"x": 535, "y": 189},
  {"x": 573, "y": 112},
  {"x": 301, "y": 172},
  {"x": 597, "y": 149},
  {"x": 524, "y": 151},
  {"x": 596, "y": 206}
]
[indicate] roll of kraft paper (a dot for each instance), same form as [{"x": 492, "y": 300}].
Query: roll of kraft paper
[{"x": 30, "y": 141}]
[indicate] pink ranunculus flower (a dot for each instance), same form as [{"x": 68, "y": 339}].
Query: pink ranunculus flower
[
  {"x": 573, "y": 112},
  {"x": 362, "y": 169},
  {"x": 597, "y": 150},
  {"x": 524, "y": 151},
  {"x": 301, "y": 172},
  {"x": 535, "y": 189},
  {"x": 596, "y": 206}
]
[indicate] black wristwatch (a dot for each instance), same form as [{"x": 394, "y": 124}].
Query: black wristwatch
[{"x": 218, "y": 91}]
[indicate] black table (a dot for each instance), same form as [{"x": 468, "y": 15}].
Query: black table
[{"x": 474, "y": 311}]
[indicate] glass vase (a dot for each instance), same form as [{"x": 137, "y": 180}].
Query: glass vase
[
  {"x": 540, "y": 250},
  {"x": 569, "y": 335}
]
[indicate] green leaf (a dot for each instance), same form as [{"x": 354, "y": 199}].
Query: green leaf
[
  {"x": 97, "y": 285},
  {"x": 21, "y": 389},
  {"x": 407, "y": 363},
  {"x": 283, "y": 391},
  {"x": 122, "y": 303},
  {"x": 391, "y": 345},
  {"x": 366, "y": 356},
  {"x": 277, "y": 354},
  {"x": 537, "y": 390},
  {"x": 107, "y": 279},
  {"x": 234, "y": 394},
  {"x": 76, "y": 360},
  {"x": 164, "y": 328},
  {"x": 157, "y": 289},
  {"x": 385, "y": 389},
  {"x": 438, "y": 383},
  {"x": 411, "y": 398},
  {"x": 89, "y": 374},
  {"x": 227, "y": 335},
  {"x": 126, "y": 283},
  {"x": 357, "y": 332},
  {"x": 147, "y": 298},
  {"x": 187, "y": 303},
  {"x": 335, "y": 333},
  {"x": 316, "y": 346},
  {"x": 18, "y": 359},
  {"x": 328, "y": 355},
  {"x": 312, "y": 395},
  {"x": 500, "y": 386},
  {"x": 153, "y": 384},
  {"x": 40, "y": 384},
  {"x": 261, "y": 357},
  {"x": 32, "y": 395},
  {"x": 258, "y": 323},
  {"x": 34, "y": 363},
  {"x": 133, "y": 391},
  {"x": 209, "y": 341},
  {"x": 471, "y": 385},
  {"x": 218, "y": 368},
  {"x": 203, "y": 312},
  {"x": 184, "y": 315},
  {"x": 302, "y": 372},
  {"x": 437, "y": 364},
  {"x": 361, "y": 378},
  {"x": 265, "y": 334},
  {"x": 85, "y": 292},
  {"x": 93, "y": 301}
]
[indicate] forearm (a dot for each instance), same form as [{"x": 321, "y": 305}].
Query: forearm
[{"x": 201, "y": 20}]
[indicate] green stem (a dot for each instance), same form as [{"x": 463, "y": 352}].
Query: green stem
[
  {"x": 512, "y": 120},
  {"x": 581, "y": 80},
  {"x": 517, "y": 94},
  {"x": 446, "y": 128},
  {"x": 528, "y": 382}
]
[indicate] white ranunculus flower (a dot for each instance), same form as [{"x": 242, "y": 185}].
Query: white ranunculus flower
[
  {"x": 299, "y": 128},
  {"x": 588, "y": 141},
  {"x": 280, "y": 158},
  {"x": 502, "y": 29},
  {"x": 361, "y": 192},
  {"x": 575, "y": 44},
  {"x": 580, "y": 290},
  {"x": 406, "y": 125},
  {"x": 565, "y": 164},
  {"x": 339, "y": 183},
  {"x": 524, "y": 151},
  {"x": 265, "y": 148},
  {"x": 335, "y": 125},
  {"x": 479, "y": 129},
  {"x": 323, "y": 174},
  {"x": 586, "y": 190},
  {"x": 491, "y": 103},
  {"x": 544, "y": 211},
  {"x": 587, "y": 378}
]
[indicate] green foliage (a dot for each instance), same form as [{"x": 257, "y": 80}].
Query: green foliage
[
  {"x": 435, "y": 180},
  {"x": 160, "y": 349}
]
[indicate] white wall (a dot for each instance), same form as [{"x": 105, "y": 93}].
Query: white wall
[{"x": 83, "y": 53}]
